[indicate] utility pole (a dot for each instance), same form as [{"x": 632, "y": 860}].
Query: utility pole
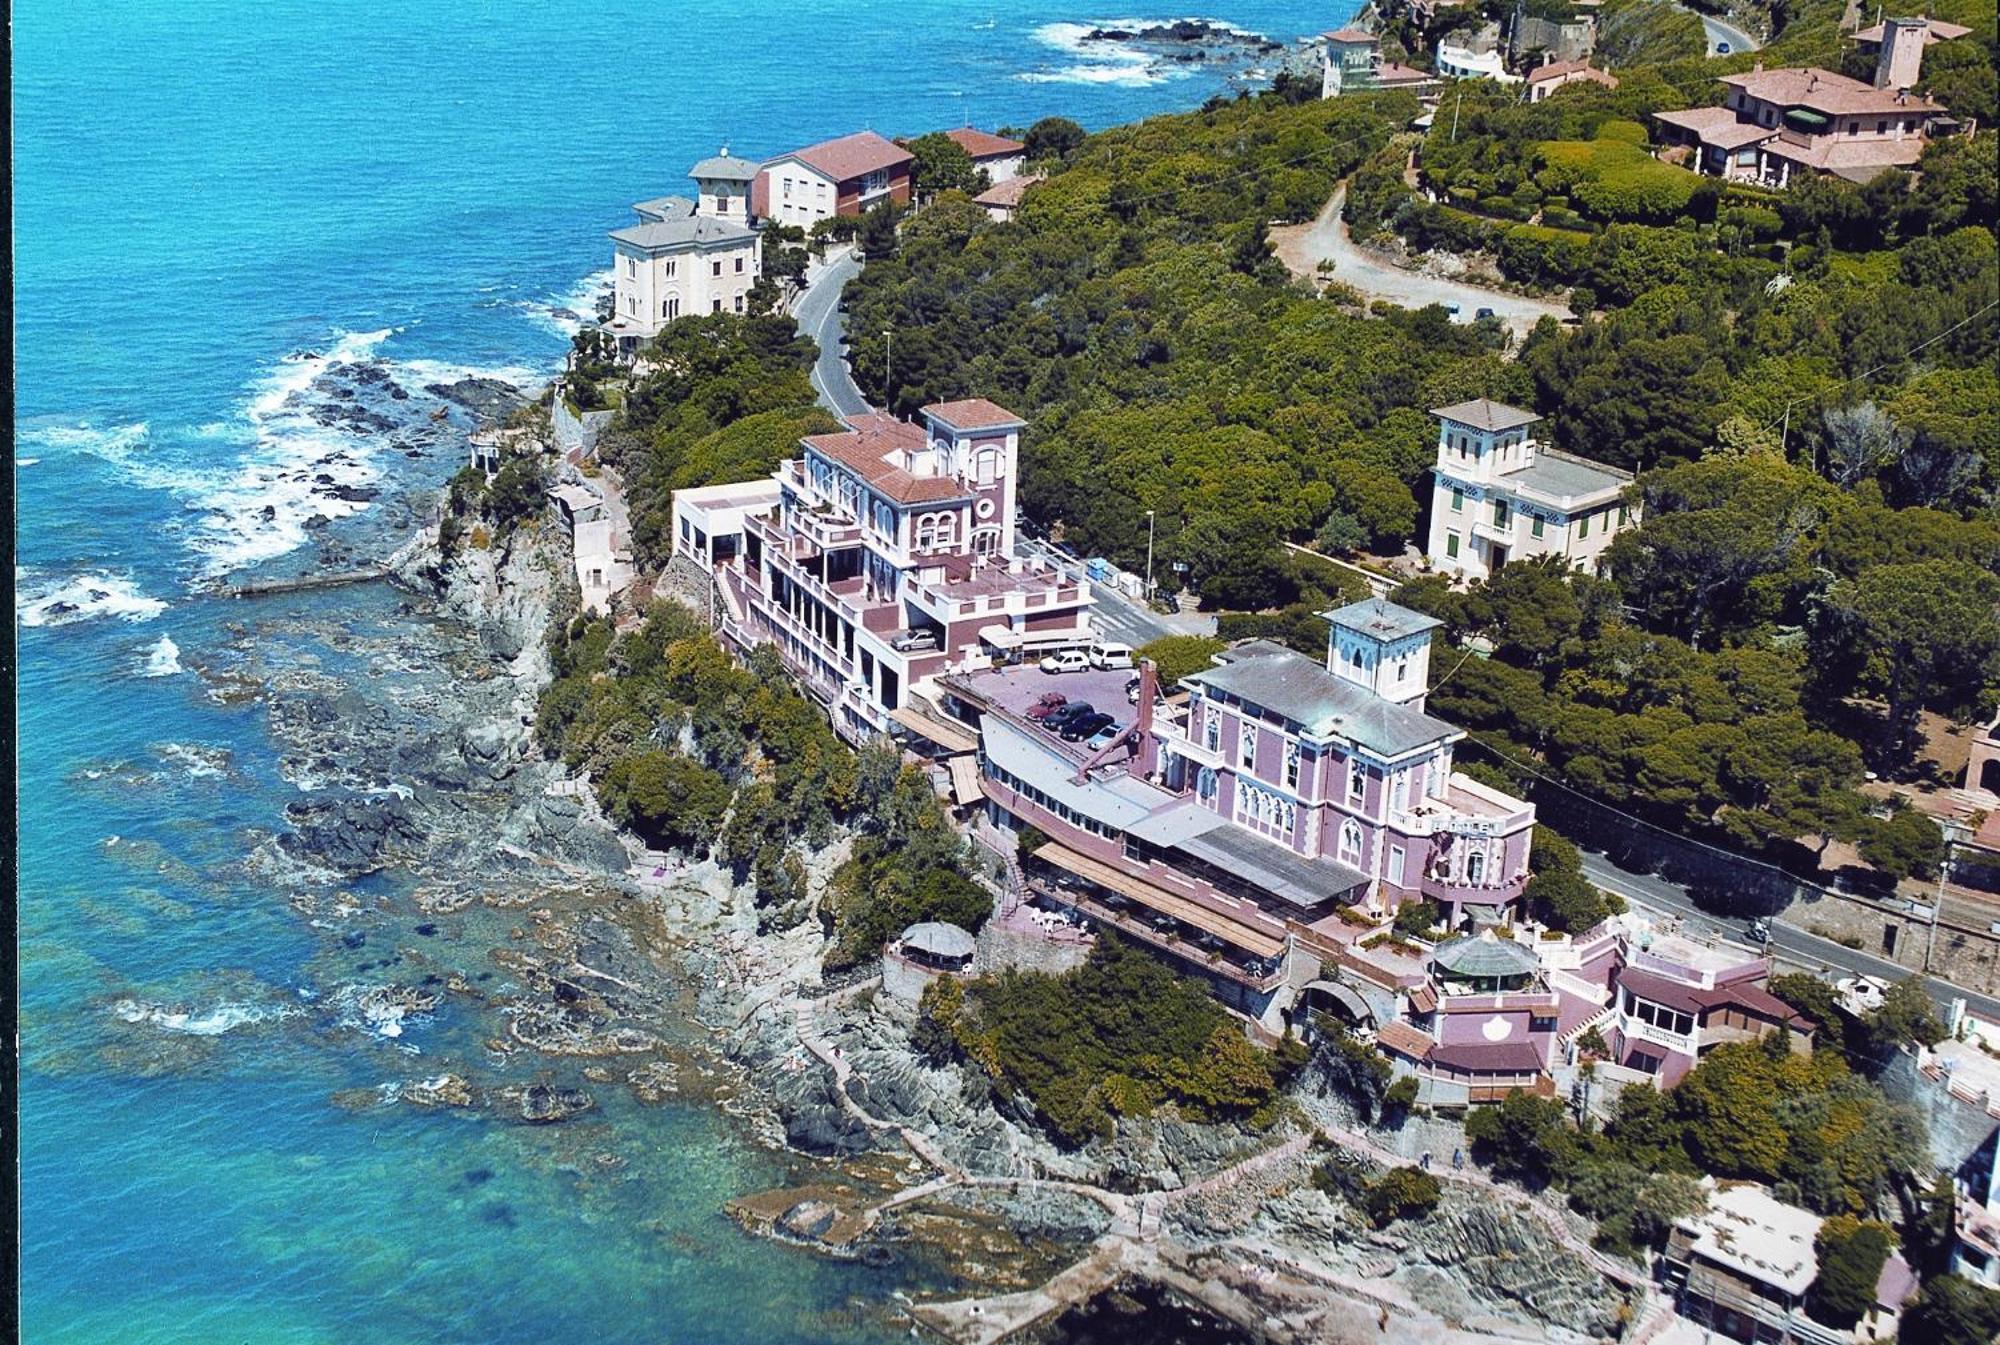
[
  {"x": 1149, "y": 557},
  {"x": 1944, "y": 871}
]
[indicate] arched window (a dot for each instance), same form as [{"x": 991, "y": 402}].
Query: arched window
[
  {"x": 946, "y": 529},
  {"x": 1212, "y": 730},
  {"x": 1475, "y": 867},
  {"x": 1350, "y": 842},
  {"x": 1204, "y": 784},
  {"x": 985, "y": 541},
  {"x": 986, "y": 466}
]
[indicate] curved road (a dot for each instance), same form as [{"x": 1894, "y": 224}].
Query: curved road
[
  {"x": 818, "y": 316},
  {"x": 1302, "y": 247},
  {"x": 1719, "y": 31}
]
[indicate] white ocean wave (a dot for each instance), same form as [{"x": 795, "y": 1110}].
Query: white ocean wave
[
  {"x": 196, "y": 761},
  {"x": 570, "y": 312},
  {"x": 27, "y": 462},
  {"x": 1112, "y": 62},
  {"x": 210, "y": 1022},
  {"x": 163, "y": 658},
  {"x": 381, "y": 1010},
  {"x": 85, "y": 597}
]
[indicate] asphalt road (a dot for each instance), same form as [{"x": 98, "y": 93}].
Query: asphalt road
[
  {"x": 818, "y": 316},
  {"x": 1719, "y": 31},
  {"x": 1789, "y": 944}
]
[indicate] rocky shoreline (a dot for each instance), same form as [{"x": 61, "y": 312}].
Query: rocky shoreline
[{"x": 593, "y": 973}]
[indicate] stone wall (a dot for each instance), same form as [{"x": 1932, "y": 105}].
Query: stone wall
[
  {"x": 1963, "y": 955},
  {"x": 576, "y": 434},
  {"x": 1955, "y": 1128}
]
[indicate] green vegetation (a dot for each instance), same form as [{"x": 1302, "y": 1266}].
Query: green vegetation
[
  {"x": 1178, "y": 656},
  {"x": 1402, "y": 1193},
  {"x": 1952, "y": 1311},
  {"x": 943, "y": 165},
  {"x": 1119, "y": 1036},
  {"x": 1822, "y": 1136},
  {"x": 694, "y": 751},
  {"x": 1851, "y": 1252},
  {"x": 1559, "y": 895}
]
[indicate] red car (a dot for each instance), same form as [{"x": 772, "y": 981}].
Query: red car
[{"x": 1050, "y": 702}]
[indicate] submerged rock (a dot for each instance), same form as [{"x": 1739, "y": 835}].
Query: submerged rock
[{"x": 543, "y": 1104}]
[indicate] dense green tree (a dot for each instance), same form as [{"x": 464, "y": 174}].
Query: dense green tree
[
  {"x": 667, "y": 799},
  {"x": 1523, "y": 1138},
  {"x": 1053, "y": 138},
  {"x": 1178, "y": 656},
  {"x": 1401, "y": 1193},
  {"x": 1952, "y": 1311},
  {"x": 1851, "y": 1253},
  {"x": 943, "y": 165}
]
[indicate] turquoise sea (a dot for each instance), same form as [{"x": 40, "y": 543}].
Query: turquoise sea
[{"x": 214, "y": 204}]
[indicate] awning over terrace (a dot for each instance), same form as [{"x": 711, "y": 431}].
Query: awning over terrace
[{"x": 1181, "y": 908}]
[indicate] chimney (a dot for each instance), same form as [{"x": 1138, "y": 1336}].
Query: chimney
[
  {"x": 1146, "y": 758},
  {"x": 1902, "y": 57}
]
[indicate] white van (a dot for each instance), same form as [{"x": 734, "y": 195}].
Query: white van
[{"x": 1106, "y": 656}]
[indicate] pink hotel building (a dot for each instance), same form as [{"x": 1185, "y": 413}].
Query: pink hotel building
[{"x": 882, "y": 556}]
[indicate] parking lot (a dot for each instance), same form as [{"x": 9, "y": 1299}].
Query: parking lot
[{"x": 1015, "y": 690}]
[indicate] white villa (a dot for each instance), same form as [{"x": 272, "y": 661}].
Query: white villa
[
  {"x": 686, "y": 257},
  {"x": 1502, "y": 496}
]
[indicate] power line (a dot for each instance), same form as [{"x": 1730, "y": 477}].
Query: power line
[{"x": 1991, "y": 304}]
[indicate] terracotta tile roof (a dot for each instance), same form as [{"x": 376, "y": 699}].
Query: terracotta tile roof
[
  {"x": 867, "y": 447},
  {"x": 1581, "y": 69},
  {"x": 983, "y": 144},
  {"x": 1009, "y": 193},
  {"x": 1856, "y": 160},
  {"x": 974, "y": 413},
  {"x": 1389, "y": 74},
  {"x": 850, "y": 156},
  {"x": 1404, "y": 1040},
  {"x": 1824, "y": 91},
  {"x": 1717, "y": 126},
  {"x": 1424, "y": 998},
  {"x": 1480, "y": 1057},
  {"x": 1696, "y": 1000},
  {"x": 1937, "y": 30},
  {"x": 1349, "y": 34}
]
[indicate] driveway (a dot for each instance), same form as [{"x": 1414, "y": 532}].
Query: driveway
[
  {"x": 1302, "y": 247},
  {"x": 817, "y": 313}
]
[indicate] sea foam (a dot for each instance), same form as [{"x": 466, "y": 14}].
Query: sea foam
[
  {"x": 210, "y": 1022},
  {"x": 84, "y": 597},
  {"x": 163, "y": 658}
]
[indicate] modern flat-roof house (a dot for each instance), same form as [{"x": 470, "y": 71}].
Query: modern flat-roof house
[
  {"x": 883, "y": 555},
  {"x": 1778, "y": 123},
  {"x": 1351, "y": 62},
  {"x": 1500, "y": 496},
  {"x": 844, "y": 176},
  {"x": 1263, "y": 818},
  {"x": 1546, "y": 79},
  {"x": 1000, "y": 157},
  {"x": 1741, "y": 1268},
  {"x": 686, "y": 257}
]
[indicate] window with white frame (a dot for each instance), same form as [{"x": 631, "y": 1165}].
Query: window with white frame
[
  {"x": 1350, "y": 842},
  {"x": 1212, "y": 730},
  {"x": 1357, "y": 783},
  {"x": 1292, "y": 758},
  {"x": 1247, "y": 755},
  {"x": 1204, "y": 784}
]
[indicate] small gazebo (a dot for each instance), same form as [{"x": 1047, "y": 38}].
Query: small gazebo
[
  {"x": 1483, "y": 965},
  {"x": 938, "y": 946}
]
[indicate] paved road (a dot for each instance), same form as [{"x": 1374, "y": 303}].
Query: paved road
[
  {"x": 818, "y": 316},
  {"x": 1302, "y": 247},
  {"x": 1789, "y": 943},
  {"x": 1719, "y": 31},
  {"x": 1115, "y": 614}
]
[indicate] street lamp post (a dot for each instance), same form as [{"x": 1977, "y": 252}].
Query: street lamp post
[
  {"x": 1937, "y": 904},
  {"x": 1149, "y": 557},
  {"x": 888, "y": 360}
]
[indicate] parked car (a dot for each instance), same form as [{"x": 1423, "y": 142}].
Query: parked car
[
  {"x": 1722, "y": 49},
  {"x": 1105, "y": 736},
  {"x": 1059, "y": 718},
  {"x": 1068, "y": 661},
  {"x": 1050, "y": 702},
  {"x": 1084, "y": 726},
  {"x": 1106, "y": 655},
  {"x": 914, "y": 641},
  {"x": 1482, "y": 314}
]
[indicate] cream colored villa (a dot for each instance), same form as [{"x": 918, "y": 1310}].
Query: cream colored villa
[
  {"x": 1502, "y": 496},
  {"x": 686, "y": 257}
]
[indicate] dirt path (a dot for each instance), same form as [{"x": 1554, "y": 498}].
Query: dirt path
[{"x": 1302, "y": 247}]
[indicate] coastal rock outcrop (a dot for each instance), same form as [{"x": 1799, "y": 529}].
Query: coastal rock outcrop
[{"x": 353, "y": 834}]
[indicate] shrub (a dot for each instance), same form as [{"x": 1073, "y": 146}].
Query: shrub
[{"x": 1404, "y": 1193}]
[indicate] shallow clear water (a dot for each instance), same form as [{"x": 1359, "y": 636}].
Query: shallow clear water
[{"x": 213, "y": 203}]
